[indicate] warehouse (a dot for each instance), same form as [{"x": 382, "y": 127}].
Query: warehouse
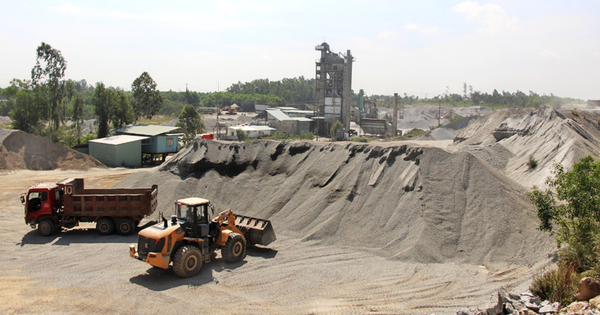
[{"x": 115, "y": 151}]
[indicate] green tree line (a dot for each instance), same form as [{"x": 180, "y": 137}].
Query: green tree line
[{"x": 494, "y": 100}]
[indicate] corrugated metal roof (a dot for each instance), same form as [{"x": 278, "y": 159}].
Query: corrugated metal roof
[
  {"x": 254, "y": 128},
  {"x": 145, "y": 130},
  {"x": 279, "y": 115},
  {"x": 120, "y": 139},
  {"x": 301, "y": 119}
]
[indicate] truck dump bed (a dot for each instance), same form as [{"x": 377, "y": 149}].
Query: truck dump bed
[{"x": 110, "y": 202}]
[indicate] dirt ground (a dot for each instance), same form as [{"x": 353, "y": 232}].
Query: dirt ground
[{"x": 79, "y": 271}]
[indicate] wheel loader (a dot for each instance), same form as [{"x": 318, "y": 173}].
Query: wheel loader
[{"x": 191, "y": 237}]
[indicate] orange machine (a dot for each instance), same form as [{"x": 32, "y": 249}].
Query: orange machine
[{"x": 192, "y": 237}]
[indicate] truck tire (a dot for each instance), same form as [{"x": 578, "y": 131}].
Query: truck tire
[
  {"x": 46, "y": 228},
  {"x": 235, "y": 248},
  {"x": 125, "y": 226},
  {"x": 187, "y": 261},
  {"x": 105, "y": 226}
]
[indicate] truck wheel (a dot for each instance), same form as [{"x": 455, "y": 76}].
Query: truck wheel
[
  {"x": 235, "y": 248},
  {"x": 187, "y": 261},
  {"x": 105, "y": 226},
  {"x": 125, "y": 227},
  {"x": 46, "y": 228}
]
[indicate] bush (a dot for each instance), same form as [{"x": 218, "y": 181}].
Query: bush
[
  {"x": 557, "y": 285},
  {"x": 280, "y": 136},
  {"x": 411, "y": 134},
  {"x": 532, "y": 163},
  {"x": 571, "y": 204},
  {"x": 241, "y": 135},
  {"x": 333, "y": 132}
]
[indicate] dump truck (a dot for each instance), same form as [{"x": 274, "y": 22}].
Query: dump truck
[
  {"x": 191, "y": 237},
  {"x": 53, "y": 206}
]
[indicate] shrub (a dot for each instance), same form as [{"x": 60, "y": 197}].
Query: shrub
[
  {"x": 557, "y": 285},
  {"x": 333, "y": 132},
  {"x": 571, "y": 204},
  {"x": 278, "y": 135},
  {"x": 411, "y": 134},
  {"x": 532, "y": 163},
  {"x": 241, "y": 135}
]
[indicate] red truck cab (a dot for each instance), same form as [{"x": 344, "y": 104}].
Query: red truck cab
[
  {"x": 41, "y": 199},
  {"x": 208, "y": 136}
]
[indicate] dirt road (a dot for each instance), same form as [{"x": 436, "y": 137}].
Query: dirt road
[{"x": 79, "y": 271}]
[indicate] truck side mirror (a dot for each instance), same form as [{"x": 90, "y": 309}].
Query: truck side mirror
[{"x": 22, "y": 199}]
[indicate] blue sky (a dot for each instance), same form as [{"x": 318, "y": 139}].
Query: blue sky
[{"x": 413, "y": 47}]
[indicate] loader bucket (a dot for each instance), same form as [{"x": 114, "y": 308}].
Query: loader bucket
[{"x": 256, "y": 231}]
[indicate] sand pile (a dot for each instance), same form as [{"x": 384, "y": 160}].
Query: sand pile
[
  {"x": 20, "y": 150},
  {"x": 414, "y": 204},
  {"x": 506, "y": 139}
]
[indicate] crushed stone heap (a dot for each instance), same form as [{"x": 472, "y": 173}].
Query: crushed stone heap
[
  {"x": 21, "y": 150},
  {"x": 506, "y": 139},
  {"x": 415, "y": 204}
]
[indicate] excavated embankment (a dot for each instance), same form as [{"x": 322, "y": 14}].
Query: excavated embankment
[{"x": 410, "y": 203}]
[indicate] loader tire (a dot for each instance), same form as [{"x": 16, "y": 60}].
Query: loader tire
[
  {"x": 46, "y": 228},
  {"x": 105, "y": 226},
  {"x": 235, "y": 248},
  {"x": 187, "y": 261},
  {"x": 125, "y": 226}
]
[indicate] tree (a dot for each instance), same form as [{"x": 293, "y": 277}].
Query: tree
[
  {"x": 147, "y": 101},
  {"x": 101, "y": 101},
  {"x": 241, "y": 135},
  {"x": 338, "y": 125},
  {"x": 77, "y": 116},
  {"x": 28, "y": 109},
  {"x": 572, "y": 204},
  {"x": 121, "y": 112},
  {"x": 47, "y": 73},
  {"x": 191, "y": 122}
]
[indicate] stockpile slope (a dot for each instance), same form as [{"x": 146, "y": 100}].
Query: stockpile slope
[
  {"x": 414, "y": 204},
  {"x": 21, "y": 150},
  {"x": 546, "y": 134}
]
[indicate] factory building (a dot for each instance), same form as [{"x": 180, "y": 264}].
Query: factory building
[{"x": 333, "y": 91}]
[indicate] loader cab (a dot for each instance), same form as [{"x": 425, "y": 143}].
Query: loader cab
[{"x": 192, "y": 214}]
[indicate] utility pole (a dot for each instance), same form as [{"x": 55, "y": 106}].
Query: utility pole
[
  {"x": 395, "y": 123},
  {"x": 439, "y": 111}
]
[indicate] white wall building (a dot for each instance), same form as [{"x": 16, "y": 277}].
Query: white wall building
[{"x": 252, "y": 132}]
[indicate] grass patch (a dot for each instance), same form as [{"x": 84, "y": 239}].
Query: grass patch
[
  {"x": 411, "y": 134},
  {"x": 359, "y": 139},
  {"x": 280, "y": 136},
  {"x": 557, "y": 285},
  {"x": 156, "y": 120}
]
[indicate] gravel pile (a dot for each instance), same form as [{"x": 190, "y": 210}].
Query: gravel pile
[
  {"x": 21, "y": 150},
  {"x": 545, "y": 134},
  {"x": 413, "y": 204}
]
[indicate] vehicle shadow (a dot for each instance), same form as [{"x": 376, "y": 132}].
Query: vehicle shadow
[
  {"x": 157, "y": 279},
  {"x": 263, "y": 252},
  {"x": 76, "y": 236}
]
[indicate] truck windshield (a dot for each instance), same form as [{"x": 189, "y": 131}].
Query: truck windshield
[{"x": 43, "y": 196}]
